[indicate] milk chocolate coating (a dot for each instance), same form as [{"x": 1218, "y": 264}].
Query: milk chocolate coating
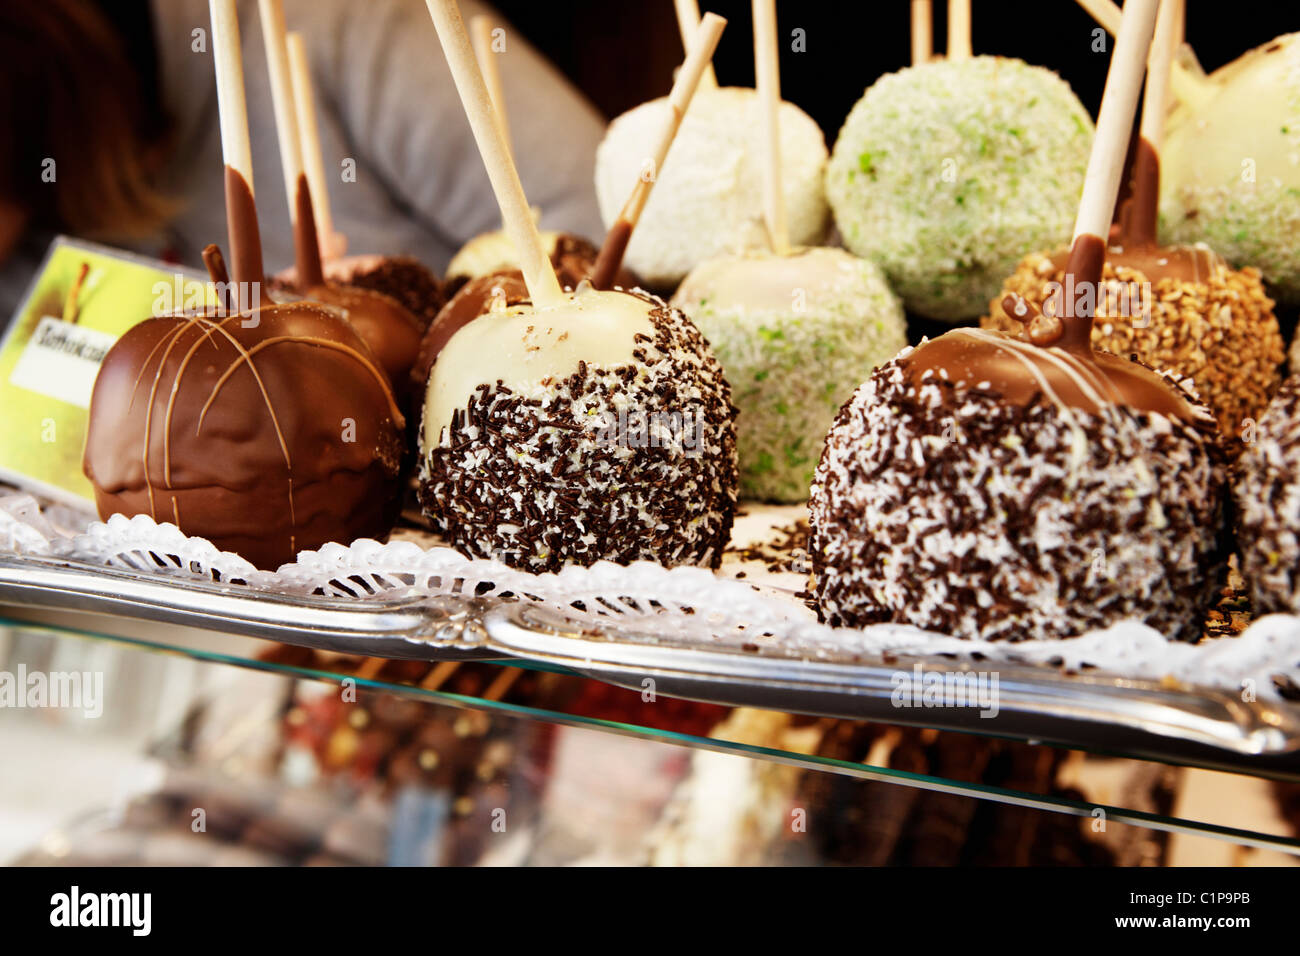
[
  {"x": 1059, "y": 364},
  {"x": 387, "y": 326},
  {"x": 390, "y": 330},
  {"x": 610, "y": 259},
  {"x": 265, "y": 440},
  {"x": 241, "y": 226},
  {"x": 1020, "y": 371},
  {"x": 1135, "y": 244}
]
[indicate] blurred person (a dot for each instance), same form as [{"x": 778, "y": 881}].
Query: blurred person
[{"x": 110, "y": 113}]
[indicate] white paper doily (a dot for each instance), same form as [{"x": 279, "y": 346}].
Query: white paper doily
[{"x": 742, "y": 604}]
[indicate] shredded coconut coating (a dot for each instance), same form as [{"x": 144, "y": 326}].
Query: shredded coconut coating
[
  {"x": 790, "y": 371},
  {"x": 946, "y": 508},
  {"x": 947, "y": 174},
  {"x": 708, "y": 198},
  {"x": 1247, "y": 226},
  {"x": 1220, "y": 333},
  {"x": 1230, "y": 170},
  {"x": 1267, "y": 494},
  {"x": 546, "y": 477}
]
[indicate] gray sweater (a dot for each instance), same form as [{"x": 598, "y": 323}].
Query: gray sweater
[{"x": 384, "y": 98}]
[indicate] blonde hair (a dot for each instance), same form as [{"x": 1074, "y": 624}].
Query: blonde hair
[{"x": 69, "y": 93}]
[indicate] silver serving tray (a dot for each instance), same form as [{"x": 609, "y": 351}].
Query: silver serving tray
[{"x": 1093, "y": 711}]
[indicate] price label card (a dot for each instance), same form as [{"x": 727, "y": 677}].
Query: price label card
[{"x": 82, "y": 299}]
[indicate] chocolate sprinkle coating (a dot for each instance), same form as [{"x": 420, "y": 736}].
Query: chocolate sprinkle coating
[
  {"x": 944, "y": 507},
  {"x": 531, "y": 481},
  {"x": 408, "y": 281},
  {"x": 1267, "y": 493}
]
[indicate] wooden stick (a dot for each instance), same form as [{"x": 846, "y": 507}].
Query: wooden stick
[
  {"x": 369, "y": 668},
  {"x": 922, "y": 31},
  {"x": 245, "y": 242},
  {"x": 480, "y": 31},
  {"x": 959, "y": 47},
  {"x": 543, "y": 288},
  {"x": 332, "y": 245},
  {"x": 439, "y": 675},
  {"x": 1106, "y": 12},
  {"x": 688, "y": 24},
  {"x": 1101, "y": 183},
  {"x": 236, "y": 150},
  {"x": 286, "y": 120},
  {"x": 1155, "y": 98},
  {"x": 502, "y": 683},
  {"x": 1187, "y": 87},
  {"x": 689, "y": 78},
  {"x": 1115, "y": 121},
  {"x": 767, "y": 71}
]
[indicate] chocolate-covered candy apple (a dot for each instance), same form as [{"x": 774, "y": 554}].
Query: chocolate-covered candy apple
[
  {"x": 795, "y": 334},
  {"x": 1180, "y": 309},
  {"x": 265, "y": 428},
  {"x": 949, "y": 172},
  {"x": 993, "y": 487},
  {"x": 580, "y": 426},
  {"x": 598, "y": 427},
  {"x": 987, "y": 487},
  {"x": 266, "y": 440},
  {"x": 391, "y": 331},
  {"x": 388, "y": 327}
]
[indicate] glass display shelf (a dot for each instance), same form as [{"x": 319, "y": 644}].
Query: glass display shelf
[{"x": 1250, "y": 813}]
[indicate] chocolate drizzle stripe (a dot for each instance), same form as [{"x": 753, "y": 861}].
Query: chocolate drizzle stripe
[
  {"x": 206, "y": 336},
  {"x": 1028, "y": 355},
  {"x": 261, "y": 387},
  {"x": 1089, "y": 384},
  {"x": 308, "y": 340},
  {"x": 148, "y": 412}
]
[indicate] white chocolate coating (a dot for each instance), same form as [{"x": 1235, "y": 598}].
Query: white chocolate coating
[
  {"x": 530, "y": 349},
  {"x": 491, "y": 252},
  {"x": 796, "y": 335},
  {"x": 707, "y": 200},
  {"x": 1231, "y": 168},
  {"x": 818, "y": 277}
]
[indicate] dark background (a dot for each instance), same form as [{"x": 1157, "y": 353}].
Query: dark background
[{"x": 623, "y": 52}]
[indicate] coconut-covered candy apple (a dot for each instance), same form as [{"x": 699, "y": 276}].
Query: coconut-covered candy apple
[
  {"x": 947, "y": 173},
  {"x": 796, "y": 329},
  {"x": 993, "y": 487}
]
